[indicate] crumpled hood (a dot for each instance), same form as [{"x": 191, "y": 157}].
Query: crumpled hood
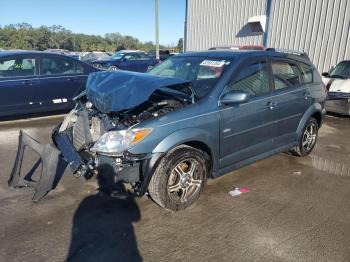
[{"x": 121, "y": 90}]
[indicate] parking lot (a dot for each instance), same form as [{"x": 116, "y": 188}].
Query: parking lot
[{"x": 297, "y": 210}]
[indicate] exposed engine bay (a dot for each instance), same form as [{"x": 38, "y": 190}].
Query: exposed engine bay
[{"x": 85, "y": 125}]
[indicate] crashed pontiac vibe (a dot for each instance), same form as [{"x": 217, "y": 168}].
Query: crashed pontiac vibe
[{"x": 194, "y": 116}]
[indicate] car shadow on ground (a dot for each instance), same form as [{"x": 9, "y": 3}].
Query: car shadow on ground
[{"x": 102, "y": 225}]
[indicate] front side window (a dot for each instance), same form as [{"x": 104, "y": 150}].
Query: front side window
[
  {"x": 19, "y": 66},
  {"x": 285, "y": 75},
  {"x": 253, "y": 79},
  {"x": 118, "y": 56},
  {"x": 143, "y": 56},
  {"x": 202, "y": 72},
  {"x": 60, "y": 66}
]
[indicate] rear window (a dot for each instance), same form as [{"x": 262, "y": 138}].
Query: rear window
[{"x": 285, "y": 75}]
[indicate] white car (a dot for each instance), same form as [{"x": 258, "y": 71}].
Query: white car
[{"x": 337, "y": 81}]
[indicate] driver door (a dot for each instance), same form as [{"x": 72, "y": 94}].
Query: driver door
[{"x": 248, "y": 129}]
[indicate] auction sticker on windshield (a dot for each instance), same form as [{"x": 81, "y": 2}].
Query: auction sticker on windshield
[{"x": 213, "y": 63}]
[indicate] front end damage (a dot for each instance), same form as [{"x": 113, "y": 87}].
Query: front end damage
[{"x": 95, "y": 137}]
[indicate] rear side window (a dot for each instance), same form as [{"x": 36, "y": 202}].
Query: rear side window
[
  {"x": 132, "y": 57},
  {"x": 307, "y": 73},
  {"x": 253, "y": 79},
  {"x": 285, "y": 75},
  {"x": 60, "y": 66},
  {"x": 143, "y": 56},
  {"x": 15, "y": 67}
]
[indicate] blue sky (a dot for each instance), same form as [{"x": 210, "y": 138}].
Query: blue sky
[{"x": 128, "y": 17}]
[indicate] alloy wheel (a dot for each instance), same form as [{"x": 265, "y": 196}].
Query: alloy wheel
[
  {"x": 309, "y": 137},
  {"x": 184, "y": 181}
]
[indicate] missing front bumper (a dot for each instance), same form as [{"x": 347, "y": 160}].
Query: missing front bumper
[{"x": 50, "y": 159}]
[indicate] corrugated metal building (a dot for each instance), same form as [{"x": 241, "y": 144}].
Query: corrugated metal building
[{"x": 319, "y": 27}]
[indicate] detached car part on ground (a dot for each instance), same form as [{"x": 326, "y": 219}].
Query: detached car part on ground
[
  {"x": 337, "y": 81},
  {"x": 193, "y": 117}
]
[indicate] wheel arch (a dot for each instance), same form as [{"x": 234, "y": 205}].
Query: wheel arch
[
  {"x": 194, "y": 137},
  {"x": 316, "y": 111}
]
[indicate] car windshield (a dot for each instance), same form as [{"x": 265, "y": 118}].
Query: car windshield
[
  {"x": 341, "y": 70},
  {"x": 118, "y": 56},
  {"x": 202, "y": 72}
]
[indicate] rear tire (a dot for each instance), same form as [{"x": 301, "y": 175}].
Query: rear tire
[
  {"x": 308, "y": 139},
  {"x": 179, "y": 178}
]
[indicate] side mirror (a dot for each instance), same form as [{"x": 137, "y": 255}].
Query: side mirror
[
  {"x": 325, "y": 74},
  {"x": 235, "y": 98}
]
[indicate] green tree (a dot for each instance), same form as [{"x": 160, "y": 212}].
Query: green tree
[
  {"x": 24, "y": 36},
  {"x": 180, "y": 45}
]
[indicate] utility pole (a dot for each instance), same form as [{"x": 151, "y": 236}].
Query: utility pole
[{"x": 157, "y": 31}]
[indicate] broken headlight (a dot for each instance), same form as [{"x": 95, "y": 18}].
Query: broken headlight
[{"x": 115, "y": 142}]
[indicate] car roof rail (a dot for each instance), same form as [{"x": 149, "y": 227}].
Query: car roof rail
[
  {"x": 238, "y": 47},
  {"x": 287, "y": 51}
]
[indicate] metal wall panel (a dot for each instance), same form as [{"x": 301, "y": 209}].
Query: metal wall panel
[
  {"x": 319, "y": 27},
  {"x": 217, "y": 22}
]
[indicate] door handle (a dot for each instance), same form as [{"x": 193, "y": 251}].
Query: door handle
[
  {"x": 73, "y": 79},
  {"x": 271, "y": 105},
  {"x": 27, "y": 82}
]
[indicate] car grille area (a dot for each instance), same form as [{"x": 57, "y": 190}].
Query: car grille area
[{"x": 81, "y": 131}]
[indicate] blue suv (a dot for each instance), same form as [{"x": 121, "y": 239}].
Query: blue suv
[{"x": 193, "y": 117}]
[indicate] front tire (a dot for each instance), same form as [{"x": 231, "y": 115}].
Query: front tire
[
  {"x": 308, "y": 138},
  {"x": 179, "y": 178}
]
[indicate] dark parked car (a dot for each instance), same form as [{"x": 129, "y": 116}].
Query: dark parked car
[
  {"x": 32, "y": 82},
  {"x": 193, "y": 117},
  {"x": 93, "y": 56},
  {"x": 137, "y": 61},
  {"x": 163, "y": 54}
]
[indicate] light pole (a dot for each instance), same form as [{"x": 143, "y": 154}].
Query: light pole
[{"x": 157, "y": 31}]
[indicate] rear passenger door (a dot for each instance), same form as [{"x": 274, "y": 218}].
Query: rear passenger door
[
  {"x": 61, "y": 78},
  {"x": 292, "y": 99},
  {"x": 18, "y": 79}
]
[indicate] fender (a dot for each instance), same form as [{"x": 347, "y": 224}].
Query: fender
[
  {"x": 179, "y": 137},
  {"x": 191, "y": 134},
  {"x": 314, "y": 108}
]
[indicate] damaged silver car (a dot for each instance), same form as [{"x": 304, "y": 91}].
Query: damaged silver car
[{"x": 193, "y": 117}]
